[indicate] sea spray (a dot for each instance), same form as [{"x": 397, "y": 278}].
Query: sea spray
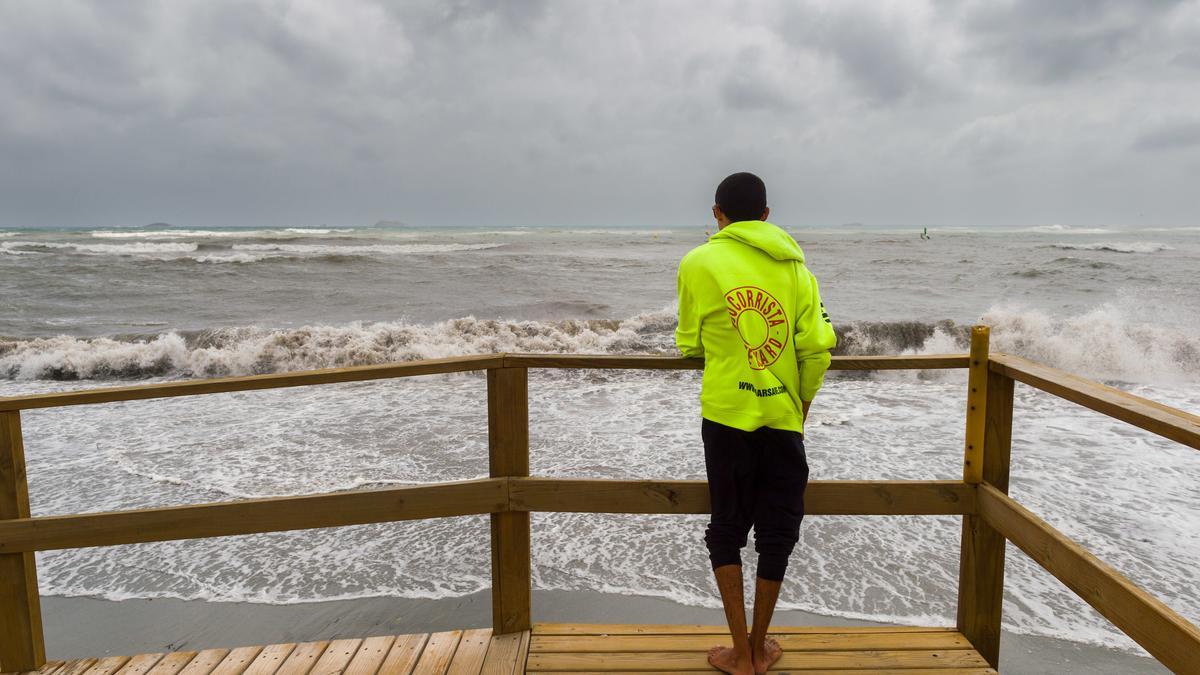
[{"x": 1101, "y": 343}]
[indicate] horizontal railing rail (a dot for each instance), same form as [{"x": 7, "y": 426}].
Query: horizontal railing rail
[
  {"x": 509, "y": 494},
  {"x": 1168, "y": 422},
  {"x": 456, "y": 498},
  {"x": 1143, "y": 617},
  {"x": 456, "y": 364}
]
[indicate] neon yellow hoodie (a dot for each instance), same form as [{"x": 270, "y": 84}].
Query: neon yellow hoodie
[{"x": 752, "y": 310}]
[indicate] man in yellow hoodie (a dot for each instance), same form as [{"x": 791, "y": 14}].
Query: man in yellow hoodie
[{"x": 750, "y": 308}]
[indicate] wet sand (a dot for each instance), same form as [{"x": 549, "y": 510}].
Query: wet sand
[{"x": 79, "y": 627}]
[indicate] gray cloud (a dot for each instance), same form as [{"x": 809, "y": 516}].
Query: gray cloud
[
  {"x": 872, "y": 47},
  {"x": 1177, "y": 136},
  {"x": 1051, "y": 42},
  {"x": 259, "y": 112}
]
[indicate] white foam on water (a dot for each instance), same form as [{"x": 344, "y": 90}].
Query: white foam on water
[
  {"x": 1118, "y": 247},
  {"x": 249, "y": 350},
  {"x": 1124, "y": 494},
  {"x": 369, "y": 249},
  {"x": 631, "y": 231},
  {"x": 217, "y": 234},
  {"x": 1065, "y": 229},
  {"x": 181, "y": 234},
  {"x": 236, "y": 257},
  {"x": 1086, "y": 474},
  {"x": 318, "y": 230},
  {"x": 137, "y": 248},
  {"x": 1102, "y": 343}
]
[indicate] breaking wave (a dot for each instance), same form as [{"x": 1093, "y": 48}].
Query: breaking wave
[
  {"x": 1117, "y": 247},
  {"x": 218, "y": 234},
  {"x": 1100, "y": 344},
  {"x": 237, "y": 253},
  {"x": 1064, "y": 229},
  {"x": 137, "y": 248},
  {"x": 369, "y": 249}
]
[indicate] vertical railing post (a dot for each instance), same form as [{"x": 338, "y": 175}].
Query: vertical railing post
[
  {"x": 508, "y": 455},
  {"x": 21, "y": 641},
  {"x": 977, "y": 375},
  {"x": 987, "y": 449}
]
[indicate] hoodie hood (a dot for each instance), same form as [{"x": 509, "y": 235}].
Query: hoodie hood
[{"x": 763, "y": 236}]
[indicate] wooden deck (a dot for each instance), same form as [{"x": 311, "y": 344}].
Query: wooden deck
[{"x": 563, "y": 648}]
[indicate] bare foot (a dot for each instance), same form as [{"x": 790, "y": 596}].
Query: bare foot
[
  {"x": 725, "y": 659},
  {"x": 771, "y": 653}
]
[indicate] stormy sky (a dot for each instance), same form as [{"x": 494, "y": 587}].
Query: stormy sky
[{"x": 308, "y": 112}]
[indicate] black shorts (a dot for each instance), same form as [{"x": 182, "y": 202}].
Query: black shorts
[{"x": 755, "y": 479}]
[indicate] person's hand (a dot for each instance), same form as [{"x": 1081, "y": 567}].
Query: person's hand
[{"x": 806, "y": 405}]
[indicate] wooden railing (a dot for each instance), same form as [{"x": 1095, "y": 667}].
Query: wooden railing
[{"x": 509, "y": 494}]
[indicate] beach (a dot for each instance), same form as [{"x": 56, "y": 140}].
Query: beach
[{"x": 82, "y": 627}]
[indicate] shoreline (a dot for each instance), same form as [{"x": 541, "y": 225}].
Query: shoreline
[{"x": 77, "y": 627}]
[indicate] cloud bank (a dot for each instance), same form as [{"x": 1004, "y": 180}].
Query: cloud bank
[{"x": 272, "y": 112}]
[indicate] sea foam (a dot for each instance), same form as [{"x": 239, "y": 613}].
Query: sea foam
[
  {"x": 1117, "y": 247},
  {"x": 1100, "y": 343}
]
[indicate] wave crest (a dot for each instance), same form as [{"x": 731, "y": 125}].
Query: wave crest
[
  {"x": 1117, "y": 247},
  {"x": 1101, "y": 344}
]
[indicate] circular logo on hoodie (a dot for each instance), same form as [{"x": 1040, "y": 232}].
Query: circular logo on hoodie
[{"x": 761, "y": 322}]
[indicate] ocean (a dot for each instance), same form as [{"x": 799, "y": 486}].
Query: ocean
[{"x": 109, "y": 306}]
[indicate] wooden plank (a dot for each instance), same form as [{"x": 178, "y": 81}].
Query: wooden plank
[
  {"x": 140, "y": 664},
  {"x": 468, "y": 658},
  {"x": 1169, "y": 637},
  {"x": 430, "y": 367},
  {"x": 76, "y": 667},
  {"x": 1168, "y": 422},
  {"x": 523, "y": 651},
  {"x": 981, "y": 561},
  {"x": 686, "y": 629},
  {"x": 303, "y": 658},
  {"x": 204, "y": 662},
  {"x": 107, "y": 665},
  {"x": 623, "y": 362},
  {"x": 453, "y": 499},
  {"x": 804, "y": 671},
  {"x": 336, "y": 657},
  {"x": 508, "y": 455},
  {"x": 172, "y": 663},
  {"x": 270, "y": 659},
  {"x": 601, "y": 362},
  {"x": 22, "y": 646},
  {"x": 696, "y": 660},
  {"x": 221, "y": 519},
  {"x": 502, "y": 654},
  {"x": 976, "y": 416},
  {"x": 405, "y": 653},
  {"x": 370, "y": 655},
  {"x": 438, "y": 652},
  {"x": 941, "y": 640},
  {"x": 47, "y": 668},
  {"x": 914, "y": 362},
  {"x": 822, "y": 497},
  {"x": 237, "y": 661},
  {"x": 455, "y": 364}
]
